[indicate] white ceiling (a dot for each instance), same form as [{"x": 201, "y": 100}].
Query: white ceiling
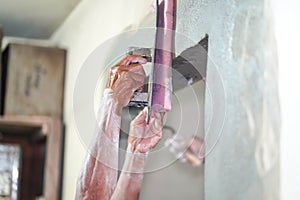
[{"x": 34, "y": 18}]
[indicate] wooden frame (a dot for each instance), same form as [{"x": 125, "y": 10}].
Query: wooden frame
[
  {"x": 43, "y": 127},
  {"x": 1, "y": 84}
]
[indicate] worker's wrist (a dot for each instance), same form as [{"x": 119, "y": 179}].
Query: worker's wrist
[
  {"x": 134, "y": 164},
  {"x": 117, "y": 107},
  {"x": 116, "y": 104}
]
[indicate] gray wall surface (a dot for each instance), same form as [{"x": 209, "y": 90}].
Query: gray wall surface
[{"x": 242, "y": 119}]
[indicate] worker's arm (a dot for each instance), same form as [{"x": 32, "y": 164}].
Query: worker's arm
[
  {"x": 98, "y": 176},
  {"x": 142, "y": 138}
]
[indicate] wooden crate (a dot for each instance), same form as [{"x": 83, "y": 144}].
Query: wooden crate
[{"x": 33, "y": 80}]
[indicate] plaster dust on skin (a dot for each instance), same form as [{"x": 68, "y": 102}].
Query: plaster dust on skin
[
  {"x": 98, "y": 176},
  {"x": 100, "y": 166}
]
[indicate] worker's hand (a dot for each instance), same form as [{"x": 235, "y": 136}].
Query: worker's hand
[
  {"x": 189, "y": 149},
  {"x": 142, "y": 136},
  {"x": 126, "y": 77}
]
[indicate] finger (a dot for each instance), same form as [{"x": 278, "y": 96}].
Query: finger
[
  {"x": 129, "y": 59},
  {"x": 136, "y": 68},
  {"x": 127, "y": 81},
  {"x": 124, "y": 84},
  {"x": 140, "y": 118},
  {"x": 191, "y": 158},
  {"x": 112, "y": 76},
  {"x": 155, "y": 140},
  {"x": 156, "y": 121},
  {"x": 140, "y": 89},
  {"x": 198, "y": 147},
  {"x": 137, "y": 81},
  {"x": 120, "y": 80},
  {"x": 142, "y": 147},
  {"x": 157, "y": 115},
  {"x": 147, "y": 144}
]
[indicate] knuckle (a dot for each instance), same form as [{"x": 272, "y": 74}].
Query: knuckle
[
  {"x": 114, "y": 69},
  {"x": 123, "y": 73},
  {"x": 139, "y": 67}
]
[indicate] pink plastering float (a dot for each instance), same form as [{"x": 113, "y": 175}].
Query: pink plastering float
[{"x": 163, "y": 54}]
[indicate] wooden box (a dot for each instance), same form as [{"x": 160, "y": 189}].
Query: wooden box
[{"x": 33, "y": 80}]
